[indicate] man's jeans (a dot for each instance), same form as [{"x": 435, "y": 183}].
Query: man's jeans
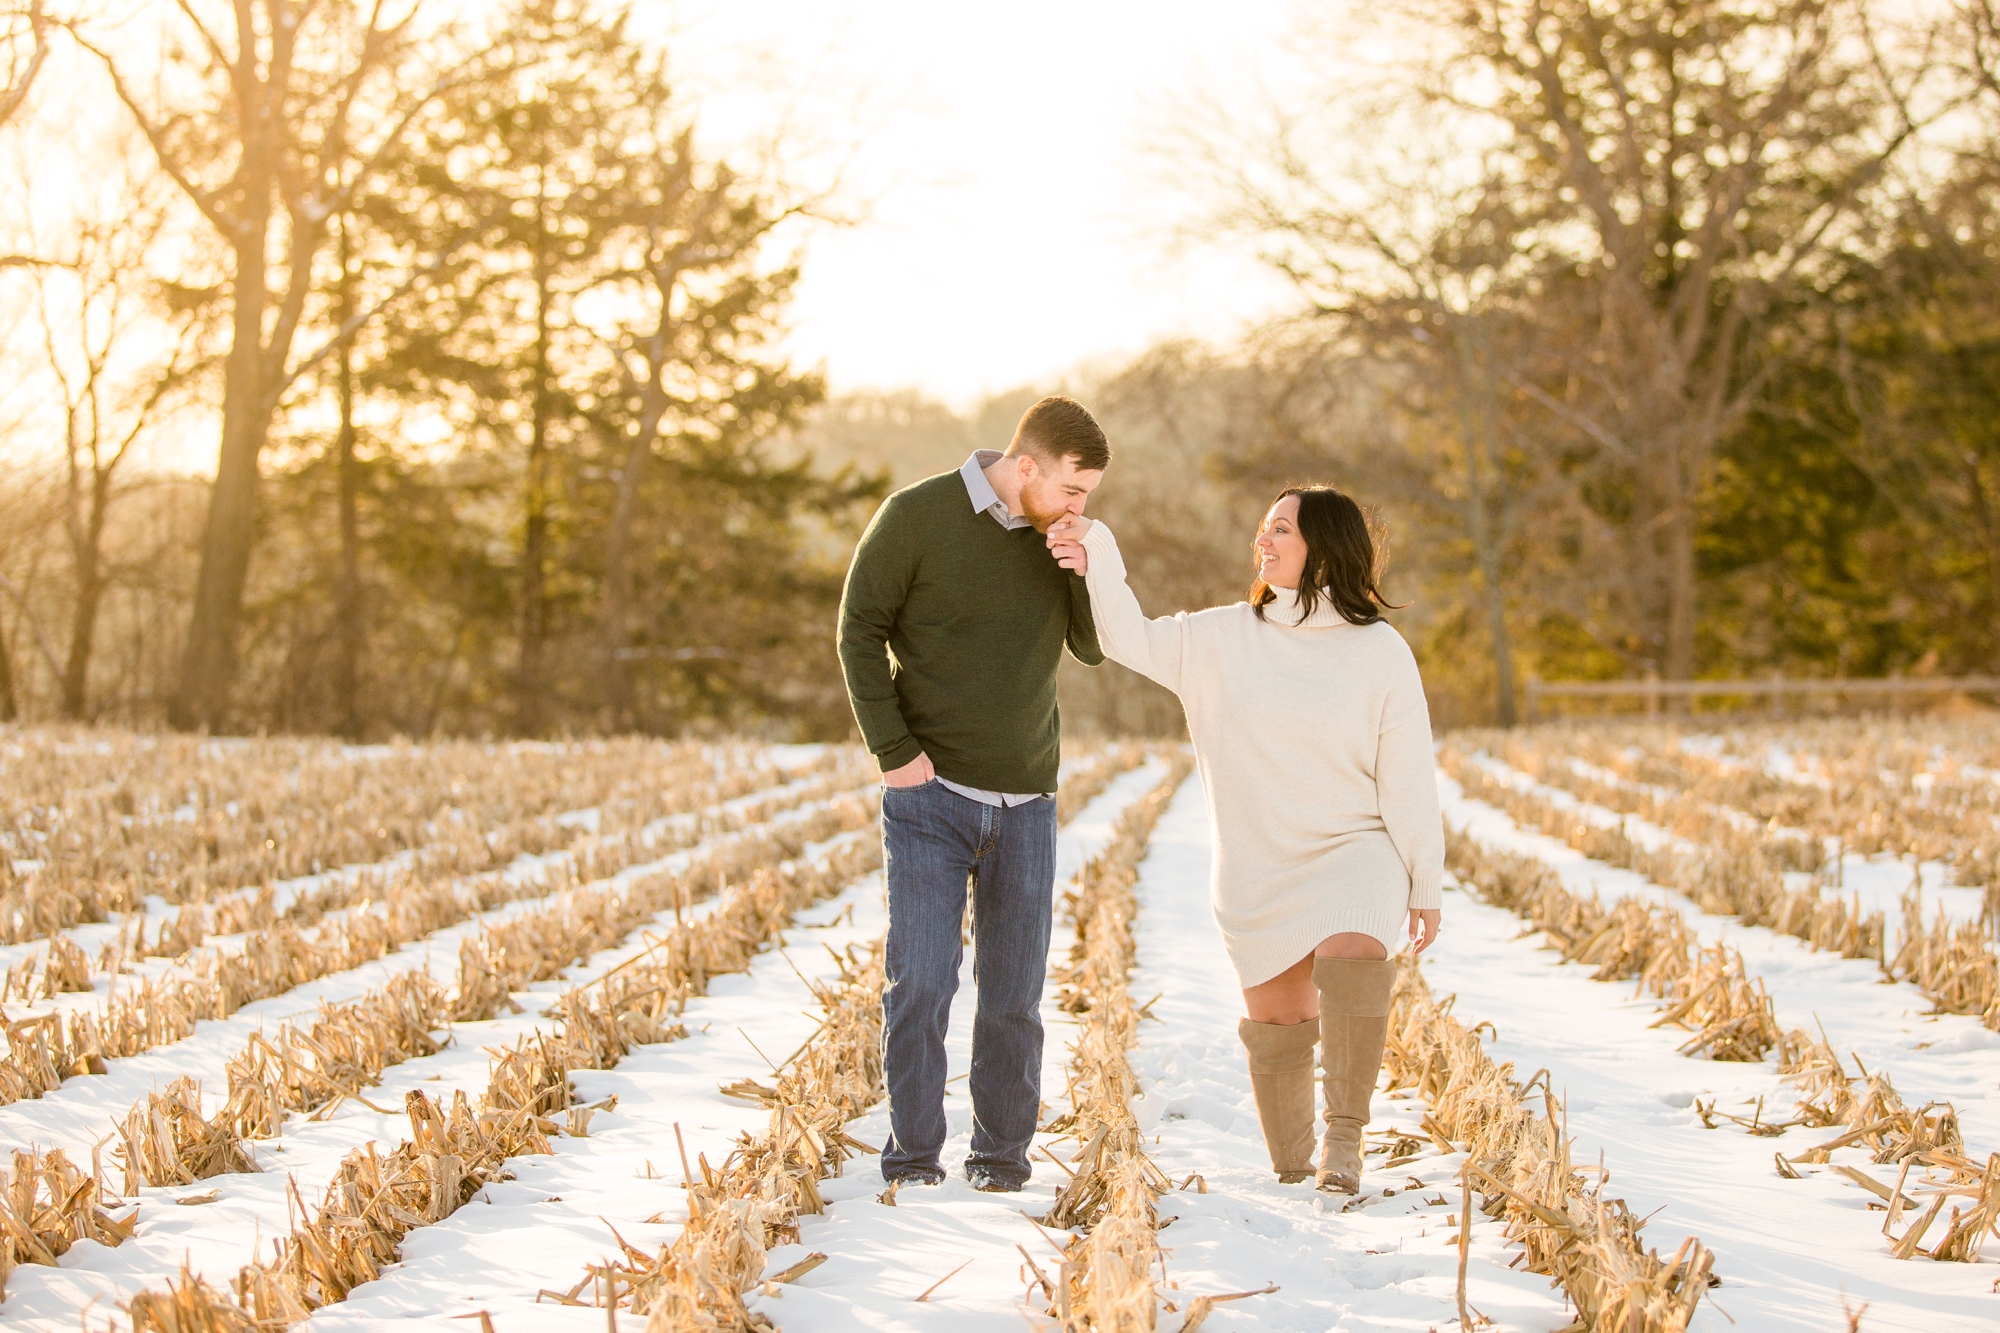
[{"x": 934, "y": 841}]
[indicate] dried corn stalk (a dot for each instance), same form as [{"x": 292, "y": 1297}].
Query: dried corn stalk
[
  {"x": 1704, "y": 990},
  {"x": 44, "y": 1051},
  {"x": 1587, "y": 1243},
  {"x": 1707, "y": 991},
  {"x": 165, "y": 1140},
  {"x": 190, "y": 1306},
  {"x": 47, "y": 1205},
  {"x": 378, "y": 1198},
  {"x": 1104, "y": 1280}
]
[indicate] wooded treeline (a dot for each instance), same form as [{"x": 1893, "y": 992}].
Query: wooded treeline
[
  {"x": 1667, "y": 328},
  {"x": 488, "y": 341},
  {"x": 1664, "y": 333}
]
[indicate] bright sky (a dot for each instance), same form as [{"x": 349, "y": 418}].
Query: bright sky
[
  {"x": 1019, "y": 222},
  {"x": 1016, "y": 213}
]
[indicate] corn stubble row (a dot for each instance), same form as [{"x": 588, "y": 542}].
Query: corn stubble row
[
  {"x": 1103, "y": 1280},
  {"x": 1915, "y": 787},
  {"x": 1740, "y": 874},
  {"x": 457, "y": 1147},
  {"x": 45, "y": 1050},
  {"x": 1519, "y": 1158},
  {"x": 165, "y": 1139},
  {"x": 1706, "y": 991},
  {"x": 1586, "y": 1242},
  {"x": 179, "y": 815},
  {"x": 734, "y": 1212},
  {"x": 192, "y": 821},
  {"x": 694, "y": 802},
  {"x": 738, "y": 1211}
]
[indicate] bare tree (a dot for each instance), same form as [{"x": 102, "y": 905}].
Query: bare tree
[
  {"x": 1713, "y": 155},
  {"x": 118, "y": 346},
  {"x": 25, "y": 30},
  {"x": 1426, "y": 267},
  {"x": 1676, "y": 172},
  {"x": 293, "y": 105}
]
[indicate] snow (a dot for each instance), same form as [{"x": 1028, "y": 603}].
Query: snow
[
  {"x": 523, "y": 872},
  {"x": 1390, "y": 1262},
  {"x": 1792, "y": 1254},
  {"x": 1788, "y": 1251}
]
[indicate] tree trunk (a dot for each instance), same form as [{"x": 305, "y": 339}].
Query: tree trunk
[
  {"x": 625, "y": 513},
  {"x": 1476, "y": 425},
  {"x": 1987, "y": 520},
  {"x": 1495, "y": 597},
  {"x": 618, "y": 577},
  {"x": 82, "y": 632},
  {"x": 9, "y": 710},
  {"x": 530, "y": 706},
  {"x": 208, "y": 660},
  {"x": 1680, "y": 576},
  {"x": 86, "y": 537},
  {"x": 347, "y": 594}
]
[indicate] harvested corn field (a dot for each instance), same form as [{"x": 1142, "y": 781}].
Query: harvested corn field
[{"x": 1694, "y": 1048}]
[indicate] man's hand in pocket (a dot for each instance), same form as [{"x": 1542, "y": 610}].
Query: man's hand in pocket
[{"x": 913, "y": 774}]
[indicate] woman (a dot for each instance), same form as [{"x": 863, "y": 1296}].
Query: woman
[{"x": 1314, "y": 744}]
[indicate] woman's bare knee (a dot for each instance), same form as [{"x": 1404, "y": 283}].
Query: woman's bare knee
[{"x": 1351, "y": 944}]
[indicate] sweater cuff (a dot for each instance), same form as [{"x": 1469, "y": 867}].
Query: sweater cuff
[
  {"x": 1427, "y": 889},
  {"x": 902, "y": 752},
  {"x": 1103, "y": 547}
]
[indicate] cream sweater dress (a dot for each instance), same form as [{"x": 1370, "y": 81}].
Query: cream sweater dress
[{"x": 1314, "y": 745}]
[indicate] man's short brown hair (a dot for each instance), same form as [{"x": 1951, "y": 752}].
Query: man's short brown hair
[{"x": 1057, "y": 428}]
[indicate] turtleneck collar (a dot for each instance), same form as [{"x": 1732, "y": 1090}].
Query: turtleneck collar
[{"x": 1283, "y": 609}]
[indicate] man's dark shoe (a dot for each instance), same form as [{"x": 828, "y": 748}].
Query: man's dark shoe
[
  {"x": 914, "y": 1176},
  {"x": 991, "y": 1182}
]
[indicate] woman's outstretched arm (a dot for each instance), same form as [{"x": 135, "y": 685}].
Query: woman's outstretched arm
[{"x": 1152, "y": 648}]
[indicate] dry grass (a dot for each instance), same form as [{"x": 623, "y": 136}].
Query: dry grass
[
  {"x": 1703, "y": 990},
  {"x": 1729, "y": 870},
  {"x": 1707, "y": 991},
  {"x": 1589, "y": 1244},
  {"x": 44, "y": 1051},
  {"x": 1907, "y": 785},
  {"x": 47, "y": 1205}
]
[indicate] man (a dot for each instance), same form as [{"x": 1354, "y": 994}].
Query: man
[{"x": 953, "y": 621}]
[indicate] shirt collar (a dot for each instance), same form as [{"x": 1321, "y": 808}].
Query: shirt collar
[{"x": 985, "y": 500}]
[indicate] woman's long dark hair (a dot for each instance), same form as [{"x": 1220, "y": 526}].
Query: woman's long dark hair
[{"x": 1341, "y": 564}]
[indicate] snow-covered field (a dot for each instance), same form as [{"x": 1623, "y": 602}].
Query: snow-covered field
[{"x": 1800, "y": 1250}]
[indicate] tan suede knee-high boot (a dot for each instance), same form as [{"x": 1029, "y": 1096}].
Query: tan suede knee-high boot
[
  {"x": 1281, "y": 1076},
  {"x": 1353, "y": 1023}
]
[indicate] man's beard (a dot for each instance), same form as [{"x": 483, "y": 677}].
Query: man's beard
[{"x": 1042, "y": 518}]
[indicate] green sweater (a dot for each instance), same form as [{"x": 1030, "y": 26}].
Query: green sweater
[{"x": 950, "y": 631}]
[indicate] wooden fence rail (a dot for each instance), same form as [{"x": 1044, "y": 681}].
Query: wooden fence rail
[{"x": 1775, "y": 688}]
